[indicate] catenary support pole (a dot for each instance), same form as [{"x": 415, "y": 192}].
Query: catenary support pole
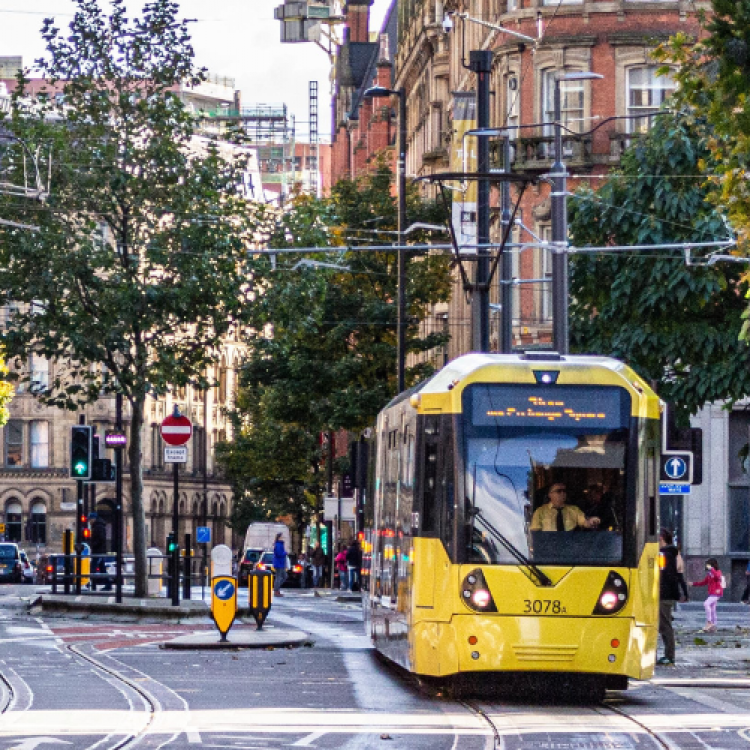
[
  {"x": 506, "y": 269},
  {"x": 480, "y": 62},
  {"x": 401, "y": 252}
]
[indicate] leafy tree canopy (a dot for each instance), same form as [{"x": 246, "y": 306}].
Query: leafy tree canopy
[
  {"x": 677, "y": 325},
  {"x": 324, "y": 353},
  {"x": 713, "y": 74},
  {"x": 137, "y": 265}
]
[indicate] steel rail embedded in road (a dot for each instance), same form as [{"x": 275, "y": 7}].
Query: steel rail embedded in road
[{"x": 153, "y": 705}]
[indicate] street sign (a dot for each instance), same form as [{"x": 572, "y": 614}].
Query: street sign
[
  {"x": 175, "y": 454},
  {"x": 115, "y": 439},
  {"x": 203, "y": 535},
  {"x": 674, "y": 489},
  {"x": 677, "y": 468},
  {"x": 176, "y": 430},
  {"x": 223, "y": 603}
]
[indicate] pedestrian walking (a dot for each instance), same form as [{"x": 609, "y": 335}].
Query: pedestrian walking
[
  {"x": 745, "y": 598},
  {"x": 318, "y": 564},
  {"x": 672, "y": 588},
  {"x": 715, "y": 582},
  {"x": 354, "y": 564},
  {"x": 342, "y": 567},
  {"x": 280, "y": 564}
]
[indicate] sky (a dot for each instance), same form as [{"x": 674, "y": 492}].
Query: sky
[{"x": 234, "y": 38}]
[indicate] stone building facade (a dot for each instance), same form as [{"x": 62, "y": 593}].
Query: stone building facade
[{"x": 38, "y": 496}]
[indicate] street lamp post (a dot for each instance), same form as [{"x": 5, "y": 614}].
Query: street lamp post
[
  {"x": 377, "y": 91},
  {"x": 560, "y": 332}
]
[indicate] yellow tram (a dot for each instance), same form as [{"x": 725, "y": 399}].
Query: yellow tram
[{"x": 471, "y": 564}]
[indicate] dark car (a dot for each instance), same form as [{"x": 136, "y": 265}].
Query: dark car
[
  {"x": 295, "y": 570},
  {"x": 11, "y": 569}
]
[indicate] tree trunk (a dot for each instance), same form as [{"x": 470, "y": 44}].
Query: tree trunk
[{"x": 136, "y": 497}]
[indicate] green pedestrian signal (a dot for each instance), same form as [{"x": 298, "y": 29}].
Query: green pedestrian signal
[
  {"x": 171, "y": 543},
  {"x": 81, "y": 449}
]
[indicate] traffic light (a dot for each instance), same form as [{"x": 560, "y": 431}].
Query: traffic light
[
  {"x": 171, "y": 543},
  {"x": 81, "y": 451}
]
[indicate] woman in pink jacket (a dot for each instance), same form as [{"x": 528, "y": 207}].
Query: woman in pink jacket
[{"x": 713, "y": 580}]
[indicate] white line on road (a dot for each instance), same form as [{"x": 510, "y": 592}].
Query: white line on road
[
  {"x": 308, "y": 741},
  {"x": 193, "y": 735}
]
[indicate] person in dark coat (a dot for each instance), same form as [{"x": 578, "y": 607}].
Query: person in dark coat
[
  {"x": 672, "y": 588},
  {"x": 98, "y": 550},
  {"x": 354, "y": 564}
]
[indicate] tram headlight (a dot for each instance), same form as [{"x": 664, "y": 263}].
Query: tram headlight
[
  {"x": 475, "y": 593},
  {"x": 613, "y": 596}
]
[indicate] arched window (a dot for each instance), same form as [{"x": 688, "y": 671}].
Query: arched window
[
  {"x": 13, "y": 519},
  {"x": 38, "y": 523}
]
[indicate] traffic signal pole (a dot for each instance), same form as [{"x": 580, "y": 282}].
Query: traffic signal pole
[
  {"x": 79, "y": 523},
  {"x": 176, "y": 549}
]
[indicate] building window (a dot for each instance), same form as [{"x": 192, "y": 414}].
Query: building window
[
  {"x": 14, "y": 443},
  {"x": 157, "y": 454},
  {"x": 39, "y": 373},
  {"x": 647, "y": 91},
  {"x": 199, "y": 447},
  {"x": 571, "y": 102},
  {"x": 13, "y": 518},
  {"x": 544, "y": 271},
  {"x": 38, "y": 523},
  {"x": 39, "y": 445},
  {"x": 512, "y": 104}
]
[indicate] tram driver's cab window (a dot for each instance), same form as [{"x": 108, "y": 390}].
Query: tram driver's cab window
[{"x": 546, "y": 473}]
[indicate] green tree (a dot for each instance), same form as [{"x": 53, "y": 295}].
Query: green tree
[
  {"x": 677, "y": 325},
  {"x": 324, "y": 356},
  {"x": 713, "y": 74},
  {"x": 138, "y": 264}
]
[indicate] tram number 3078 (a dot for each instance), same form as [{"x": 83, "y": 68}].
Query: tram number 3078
[{"x": 543, "y": 606}]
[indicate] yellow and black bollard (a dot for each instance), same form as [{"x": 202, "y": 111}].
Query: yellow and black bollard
[
  {"x": 259, "y": 591},
  {"x": 223, "y": 603}
]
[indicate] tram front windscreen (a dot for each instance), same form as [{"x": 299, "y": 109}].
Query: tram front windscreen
[{"x": 545, "y": 473}]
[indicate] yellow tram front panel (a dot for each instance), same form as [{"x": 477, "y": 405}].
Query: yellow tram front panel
[{"x": 534, "y": 628}]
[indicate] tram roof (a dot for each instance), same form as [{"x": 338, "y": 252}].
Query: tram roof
[{"x": 463, "y": 366}]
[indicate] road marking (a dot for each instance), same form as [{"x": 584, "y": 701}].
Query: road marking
[
  {"x": 193, "y": 735},
  {"x": 307, "y": 741}
]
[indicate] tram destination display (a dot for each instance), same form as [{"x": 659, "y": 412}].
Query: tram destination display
[{"x": 600, "y": 407}]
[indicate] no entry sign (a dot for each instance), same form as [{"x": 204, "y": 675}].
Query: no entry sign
[{"x": 176, "y": 430}]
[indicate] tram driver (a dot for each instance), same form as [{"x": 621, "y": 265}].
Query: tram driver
[{"x": 557, "y": 515}]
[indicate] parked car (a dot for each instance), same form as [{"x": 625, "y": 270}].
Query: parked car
[
  {"x": 247, "y": 563},
  {"x": 28, "y": 568},
  {"x": 296, "y": 571},
  {"x": 11, "y": 569}
]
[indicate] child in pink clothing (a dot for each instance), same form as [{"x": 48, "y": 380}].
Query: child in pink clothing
[{"x": 713, "y": 580}]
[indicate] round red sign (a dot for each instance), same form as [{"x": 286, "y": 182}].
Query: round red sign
[{"x": 176, "y": 430}]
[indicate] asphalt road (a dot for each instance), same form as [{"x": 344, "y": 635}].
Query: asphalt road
[{"x": 100, "y": 684}]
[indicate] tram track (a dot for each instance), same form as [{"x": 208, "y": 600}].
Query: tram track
[
  {"x": 576, "y": 714},
  {"x": 152, "y": 704}
]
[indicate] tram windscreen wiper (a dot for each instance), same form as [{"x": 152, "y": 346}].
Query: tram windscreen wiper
[{"x": 538, "y": 574}]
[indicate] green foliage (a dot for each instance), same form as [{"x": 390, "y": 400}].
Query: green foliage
[
  {"x": 324, "y": 355},
  {"x": 677, "y": 325},
  {"x": 138, "y": 264},
  {"x": 714, "y": 92}
]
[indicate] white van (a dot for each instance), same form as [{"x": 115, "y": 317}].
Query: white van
[{"x": 259, "y": 538}]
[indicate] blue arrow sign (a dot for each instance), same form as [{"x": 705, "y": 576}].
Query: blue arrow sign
[
  {"x": 203, "y": 535},
  {"x": 675, "y": 467},
  {"x": 224, "y": 590}
]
